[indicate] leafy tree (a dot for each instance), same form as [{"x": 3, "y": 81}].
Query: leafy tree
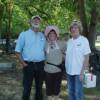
[{"x": 15, "y": 16}]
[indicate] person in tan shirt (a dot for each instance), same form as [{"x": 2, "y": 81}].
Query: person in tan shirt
[{"x": 54, "y": 57}]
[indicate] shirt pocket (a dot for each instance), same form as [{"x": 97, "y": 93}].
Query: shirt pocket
[
  {"x": 41, "y": 42},
  {"x": 79, "y": 47}
]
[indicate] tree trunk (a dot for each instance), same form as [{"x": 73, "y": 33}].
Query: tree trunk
[
  {"x": 83, "y": 18},
  {"x": 92, "y": 27},
  {"x": 90, "y": 32},
  {"x": 8, "y": 34},
  {"x": 1, "y": 15}
]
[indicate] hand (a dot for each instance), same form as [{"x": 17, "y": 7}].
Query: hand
[
  {"x": 24, "y": 64},
  {"x": 81, "y": 77},
  {"x": 86, "y": 68}
]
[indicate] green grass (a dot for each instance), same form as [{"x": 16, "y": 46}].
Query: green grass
[
  {"x": 11, "y": 88},
  {"x": 97, "y": 44},
  {"x": 92, "y": 93}
]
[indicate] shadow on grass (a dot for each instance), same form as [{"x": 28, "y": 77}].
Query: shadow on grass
[{"x": 11, "y": 88}]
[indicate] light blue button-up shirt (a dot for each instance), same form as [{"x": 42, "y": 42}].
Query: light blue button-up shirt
[{"x": 31, "y": 45}]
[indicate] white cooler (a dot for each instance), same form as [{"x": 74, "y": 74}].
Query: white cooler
[{"x": 89, "y": 80}]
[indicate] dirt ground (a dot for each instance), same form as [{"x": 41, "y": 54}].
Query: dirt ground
[{"x": 11, "y": 85}]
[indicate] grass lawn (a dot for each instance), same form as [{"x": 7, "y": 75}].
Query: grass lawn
[
  {"x": 97, "y": 44},
  {"x": 11, "y": 88}
]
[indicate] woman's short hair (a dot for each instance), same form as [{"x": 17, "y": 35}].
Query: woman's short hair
[{"x": 77, "y": 23}]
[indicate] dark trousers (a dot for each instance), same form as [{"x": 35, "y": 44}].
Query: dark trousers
[
  {"x": 36, "y": 71},
  {"x": 53, "y": 83}
]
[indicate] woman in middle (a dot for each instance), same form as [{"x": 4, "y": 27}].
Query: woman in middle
[{"x": 54, "y": 58}]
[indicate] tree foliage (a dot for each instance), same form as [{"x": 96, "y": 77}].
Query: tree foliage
[{"x": 15, "y": 15}]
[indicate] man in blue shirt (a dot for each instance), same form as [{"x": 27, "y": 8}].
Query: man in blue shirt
[{"x": 30, "y": 51}]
